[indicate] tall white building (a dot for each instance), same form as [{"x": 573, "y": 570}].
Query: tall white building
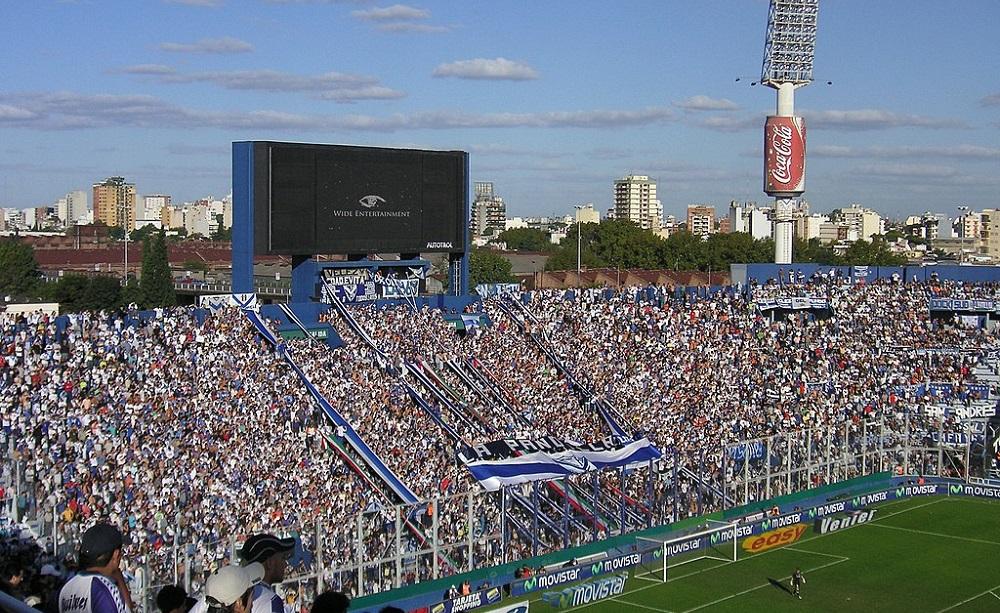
[
  {"x": 196, "y": 220},
  {"x": 635, "y": 200},
  {"x": 72, "y": 208},
  {"x": 587, "y": 214},
  {"x": 489, "y": 212},
  {"x": 807, "y": 226},
  {"x": 153, "y": 206},
  {"x": 865, "y": 222},
  {"x": 751, "y": 219}
]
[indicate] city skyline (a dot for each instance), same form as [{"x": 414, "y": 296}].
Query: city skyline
[{"x": 554, "y": 102}]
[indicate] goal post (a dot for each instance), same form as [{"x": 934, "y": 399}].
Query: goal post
[{"x": 715, "y": 540}]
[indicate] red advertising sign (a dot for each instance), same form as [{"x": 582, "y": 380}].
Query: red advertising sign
[{"x": 784, "y": 156}]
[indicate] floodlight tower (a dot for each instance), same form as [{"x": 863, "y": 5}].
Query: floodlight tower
[{"x": 788, "y": 65}]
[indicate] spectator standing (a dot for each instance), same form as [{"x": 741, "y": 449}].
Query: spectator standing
[
  {"x": 272, "y": 554},
  {"x": 331, "y": 602},
  {"x": 230, "y": 589},
  {"x": 100, "y": 586}
]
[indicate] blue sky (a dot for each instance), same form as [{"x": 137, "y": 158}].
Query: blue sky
[{"x": 553, "y": 99}]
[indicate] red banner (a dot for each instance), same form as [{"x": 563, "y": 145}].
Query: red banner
[{"x": 784, "y": 156}]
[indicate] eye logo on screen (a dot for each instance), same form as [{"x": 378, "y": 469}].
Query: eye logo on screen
[{"x": 371, "y": 201}]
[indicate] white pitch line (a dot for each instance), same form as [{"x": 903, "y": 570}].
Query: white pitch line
[
  {"x": 818, "y": 553},
  {"x": 679, "y": 577},
  {"x": 929, "y": 533},
  {"x": 641, "y": 578},
  {"x": 974, "y": 501},
  {"x": 908, "y": 509},
  {"x": 955, "y": 606},
  {"x": 641, "y": 606},
  {"x": 994, "y": 593},
  {"x": 762, "y": 586}
]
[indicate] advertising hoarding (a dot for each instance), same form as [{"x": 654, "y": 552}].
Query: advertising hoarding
[{"x": 784, "y": 156}]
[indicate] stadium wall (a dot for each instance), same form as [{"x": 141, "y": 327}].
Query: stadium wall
[
  {"x": 429, "y": 592},
  {"x": 743, "y": 273}
]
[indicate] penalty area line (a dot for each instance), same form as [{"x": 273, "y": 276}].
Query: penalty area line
[
  {"x": 817, "y": 553},
  {"x": 967, "y": 600},
  {"x": 641, "y": 606}
]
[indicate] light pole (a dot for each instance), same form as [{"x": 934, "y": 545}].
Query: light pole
[
  {"x": 125, "y": 232},
  {"x": 578, "y": 207},
  {"x": 963, "y": 212},
  {"x": 788, "y": 65}
]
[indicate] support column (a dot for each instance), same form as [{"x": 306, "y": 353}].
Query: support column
[{"x": 303, "y": 279}]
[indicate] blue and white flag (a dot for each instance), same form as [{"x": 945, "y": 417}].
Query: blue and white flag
[{"x": 570, "y": 459}]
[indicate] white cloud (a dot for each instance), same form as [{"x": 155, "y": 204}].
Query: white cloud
[
  {"x": 368, "y": 92},
  {"x": 493, "y": 149},
  {"x": 972, "y": 152},
  {"x": 396, "y": 12},
  {"x": 146, "y": 69},
  {"x": 920, "y": 171},
  {"x": 731, "y": 123},
  {"x": 273, "y": 80},
  {"x": 991, "y": 100},
  {"x": 15, "y": 113},
  {"x": 480, "y": 68},
  {"x": 874, "y": 119},
  {"x": 399, "y": 18},
  {"x": 222, "y": 45},
  {"x": 69, "y": 110},
  {"x": 405, "y": 26},
  {"x": 336, "y": 86},
  {"x": 852, "y": 120},
  {"x": 705, "y": 103}
]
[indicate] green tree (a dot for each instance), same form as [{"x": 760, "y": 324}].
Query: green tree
[
  {"x": 683, "y": 251},
  {"x": 526, "y": 239},
  {"x": 221, "y": 234},
  {"x": 157, "y": 284},
  {"x": 488, "y": 267},
  {"x": 813, "y": 251},
  {"x": 18, "y": 267},
  {"x": 564, "y": 257},
  {"x": 131, "y": 293},
  {"x": 140, "y": 234},
  {"x": 69, "y": 292},
  {"x": 615, "y": 242},
  {"x": 721, "y": 250},
  {"x": 871, "y": 253},
  {"x": 101, "y": 293}
]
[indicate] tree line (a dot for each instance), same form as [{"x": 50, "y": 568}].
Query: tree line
[
  {"x": 623, "y": 244},
  {"x": 21, "y": 280}
]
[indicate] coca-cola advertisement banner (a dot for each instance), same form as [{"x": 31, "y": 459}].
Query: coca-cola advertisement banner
[{"x": 784, "y": 156}]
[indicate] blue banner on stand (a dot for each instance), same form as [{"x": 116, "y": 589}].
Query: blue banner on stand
[{"x": 514, "y": 461}]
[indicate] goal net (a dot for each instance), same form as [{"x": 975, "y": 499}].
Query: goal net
[{"x": 715, "y": 541}]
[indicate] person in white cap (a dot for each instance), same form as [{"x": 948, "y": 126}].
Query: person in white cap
[{"x": 230, "y": 589}]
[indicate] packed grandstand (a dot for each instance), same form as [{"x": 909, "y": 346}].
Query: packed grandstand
[{"x": 190, "y": 430}]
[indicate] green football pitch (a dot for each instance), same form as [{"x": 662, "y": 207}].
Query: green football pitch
[{"x": 920, "y": 554}]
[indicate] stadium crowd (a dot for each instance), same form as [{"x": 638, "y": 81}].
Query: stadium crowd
[{"x": 190, "y": 432}]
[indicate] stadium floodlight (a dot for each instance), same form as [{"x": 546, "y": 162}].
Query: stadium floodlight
[
  {"x": 791, "y": 43},
  {"x": 788, "y": 64}
]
